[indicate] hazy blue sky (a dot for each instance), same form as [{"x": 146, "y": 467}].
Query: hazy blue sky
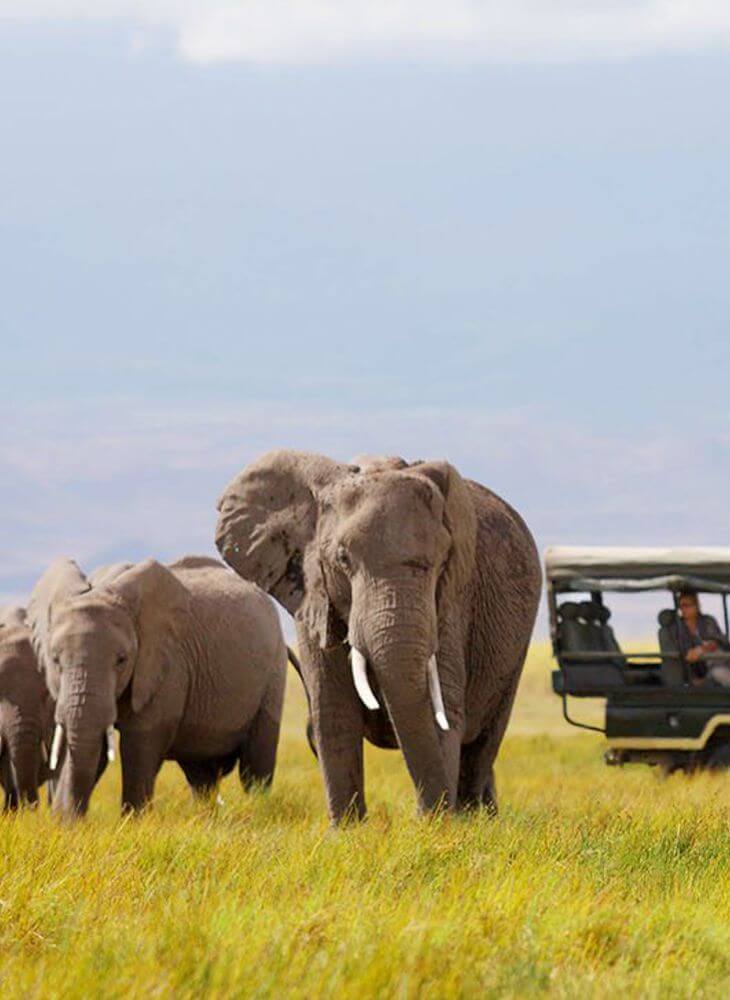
[{"x": 517, "y": 263}]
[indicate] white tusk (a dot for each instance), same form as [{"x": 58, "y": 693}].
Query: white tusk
[
  {"x": 56, "y": 747},
  {"x": 434, "y": 689},
  {"x": 360, "y": 677},
  {"x": 110, "y": 752}
]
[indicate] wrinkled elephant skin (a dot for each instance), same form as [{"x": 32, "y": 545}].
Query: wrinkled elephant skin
[
  {"x": 414, "y": 593},
  {"x": 26, "y": 713},
  {"x": 187, "y": 661}
]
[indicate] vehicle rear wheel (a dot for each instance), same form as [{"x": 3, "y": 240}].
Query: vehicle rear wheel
[
  {"x": 719, "y": 759},
  {"x": 670, "y": 763}
]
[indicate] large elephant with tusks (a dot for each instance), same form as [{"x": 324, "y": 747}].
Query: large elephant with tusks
[{"x": 414, "y": 593}]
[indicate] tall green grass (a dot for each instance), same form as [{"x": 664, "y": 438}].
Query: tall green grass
[{"x": 592, "y": 883}]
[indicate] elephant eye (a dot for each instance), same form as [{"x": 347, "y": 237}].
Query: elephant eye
[
  {"x": 121, "y": 659},
  {"x": 342, "y": 557},
  {"x": 419, "y": 564}
]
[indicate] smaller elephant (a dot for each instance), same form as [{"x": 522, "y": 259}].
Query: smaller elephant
[
  {"x": 26, "y": 713},
  {"x": 186, "y": 660}
]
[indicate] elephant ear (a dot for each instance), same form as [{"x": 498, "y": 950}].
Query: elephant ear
[
  {"x": 268, "y": 522},
  {"x": 159, "y": 605},
  {"x": 459, "y": 520},
  {"x": 62, "y": 581},
  {"x": 316, "y": 610}
]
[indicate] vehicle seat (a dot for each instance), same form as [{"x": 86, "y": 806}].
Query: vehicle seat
[
  {"x": 574, "y": 632},
  {"x": 601, "y": 635},
  {"x": 672, "y": 668},
  {"x": 581, "y": 631}
]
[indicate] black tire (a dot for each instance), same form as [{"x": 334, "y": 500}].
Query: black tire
[
  {"x": 719, "y": 758},
  {"x": 671, "y": 763}
]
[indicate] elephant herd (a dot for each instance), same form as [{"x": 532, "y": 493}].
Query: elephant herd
[{"x": 413, "y": 591}]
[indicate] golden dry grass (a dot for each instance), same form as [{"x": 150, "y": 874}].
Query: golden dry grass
[{"x": 593, "y": 882}]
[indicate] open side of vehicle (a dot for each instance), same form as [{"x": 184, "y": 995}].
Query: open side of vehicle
[{"x": 654, "y": 712}]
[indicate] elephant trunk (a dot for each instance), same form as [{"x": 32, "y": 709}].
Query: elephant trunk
[
  {"x": 81, "y": 745},
  {"x": 78, "y": 775},
  {"x": 359, "y": 664},
  {"x": 397, "y": 641}
]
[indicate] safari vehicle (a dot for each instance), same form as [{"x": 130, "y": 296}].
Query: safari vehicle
[{"x": 655, "y": 711}]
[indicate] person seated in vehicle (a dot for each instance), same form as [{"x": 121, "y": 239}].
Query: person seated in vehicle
[{"x": 697, "y": 635}]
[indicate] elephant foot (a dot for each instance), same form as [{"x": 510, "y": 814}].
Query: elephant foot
[
  {"x": 346, "y": 809},
  {"x": 202, "y": 778}
]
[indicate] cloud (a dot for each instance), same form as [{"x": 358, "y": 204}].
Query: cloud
[{"x": 326, "y": 31}]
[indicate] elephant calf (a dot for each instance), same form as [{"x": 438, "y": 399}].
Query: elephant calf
[
  {"x": 26, "y": 713},
  {"x": 187, "y": 661}
]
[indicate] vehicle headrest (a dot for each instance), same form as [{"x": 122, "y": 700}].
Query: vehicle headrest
[
  {"x": 602, "y": 613},
  {"x": 667, "y": 617},
  {"x": 569, "y": 611},
  {"x": 590, "y": 610}
]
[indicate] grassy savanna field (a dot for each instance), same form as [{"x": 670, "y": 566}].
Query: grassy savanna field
[{"x": 593, "y": 882}]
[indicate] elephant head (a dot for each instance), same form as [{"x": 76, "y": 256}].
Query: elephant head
[
  {"x": 373, "y": 556},
  {"x": 97, "y": 645}
]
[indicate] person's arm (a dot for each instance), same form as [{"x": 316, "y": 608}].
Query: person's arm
[{"x": 715, "y": 634}]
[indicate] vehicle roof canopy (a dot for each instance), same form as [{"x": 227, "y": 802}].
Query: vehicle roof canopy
[{"x": 617, "y": 568}]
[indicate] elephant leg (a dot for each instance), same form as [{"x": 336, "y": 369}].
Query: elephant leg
[
  {"x": 202, "y": 776},
  {"x": 477, "y": 786},
  {"x": 6, "y": 781},
  {"x": 337, "y": 725},
  {"x": 452, "y": 671},
  {"x": 26, "y": 787},
  {"x": 451, "y": 749},
  {"x": 476, "y": 776},
  {"x": 257, "y": 759},
  {"x": 142, "y": 755},
  {"x": 19, "y": 770},
  {"x": 294, "y": 660}
]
